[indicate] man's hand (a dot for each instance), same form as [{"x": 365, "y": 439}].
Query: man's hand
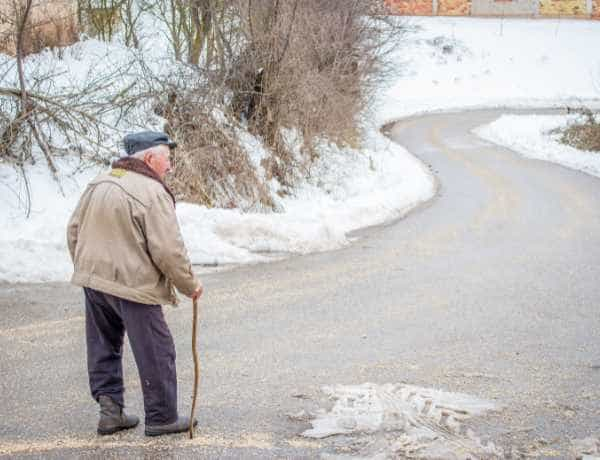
[{"x": 197, "y": 293}]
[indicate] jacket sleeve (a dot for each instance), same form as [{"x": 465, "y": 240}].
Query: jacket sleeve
[
  {"x": 166, "y": 246},
  {"x": 73, "y": 229}
]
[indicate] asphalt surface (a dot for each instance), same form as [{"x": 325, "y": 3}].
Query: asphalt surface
[{"x": 490, "y": 289}]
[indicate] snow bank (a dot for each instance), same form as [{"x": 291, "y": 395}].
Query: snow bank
[
  {"x": 348, "y": 189},
  {"x": 35, "y": 248},
  {"x": 532, "y": 137}
]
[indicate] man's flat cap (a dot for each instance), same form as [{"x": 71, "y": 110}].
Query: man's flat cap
[{"x": 137, "y": 142}]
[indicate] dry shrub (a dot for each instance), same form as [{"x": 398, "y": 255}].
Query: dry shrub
[
  {"x": 52, "y": 23},
  {"x": 209, "y": 165},
  {"x": 311, "y": 65},
  {"x": 583, "y": 135}
]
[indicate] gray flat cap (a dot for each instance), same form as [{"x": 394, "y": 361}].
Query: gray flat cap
[{"x": 137, "y": 142}]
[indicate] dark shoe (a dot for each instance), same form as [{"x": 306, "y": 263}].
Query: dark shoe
[
  {"x": 178, "y": 426},
  {"x": 112, "y": 417}
]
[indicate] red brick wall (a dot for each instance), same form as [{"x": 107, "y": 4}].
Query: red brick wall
[
  {"x": 454, "y": 7},
  {"x": 410, "y": 7}
]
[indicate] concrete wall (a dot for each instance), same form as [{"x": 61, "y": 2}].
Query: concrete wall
[{"x": 504, "y": 8}]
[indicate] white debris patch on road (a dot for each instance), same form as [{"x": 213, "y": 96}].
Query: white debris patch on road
[
  {"x": 586, "y": 449},
  {"x": 404, "y": 421},
  {"x": 536, "y": 136}
]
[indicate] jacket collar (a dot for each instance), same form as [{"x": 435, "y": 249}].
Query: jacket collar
[{"x": 138, "y": 166}]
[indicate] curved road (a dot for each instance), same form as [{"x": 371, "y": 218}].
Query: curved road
[{"x": 491, "y": 289}]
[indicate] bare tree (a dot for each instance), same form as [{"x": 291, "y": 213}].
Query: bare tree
[
  {"x": 197, "y": 29},
  {"x": 130, "y": 13},
  {"x": 26, "y": 108},
  {"x": 40, "y": 119}
]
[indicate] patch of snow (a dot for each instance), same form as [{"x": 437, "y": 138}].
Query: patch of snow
[
  {"x": 255, "y": 149},
  {"x": 532, "y": 137},
  {"x": 35, "y": 249}
]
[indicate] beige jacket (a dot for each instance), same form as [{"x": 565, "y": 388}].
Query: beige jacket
[{"x": 125, "y": 240}]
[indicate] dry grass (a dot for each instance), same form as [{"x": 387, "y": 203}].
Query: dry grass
[
  {"x": 209, "y": 165},
  {"x": 52, "y": 23},
  {"x": 583, "y": 135}
]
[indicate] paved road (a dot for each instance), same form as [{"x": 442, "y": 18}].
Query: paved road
[{"x": 491, "y": 289}]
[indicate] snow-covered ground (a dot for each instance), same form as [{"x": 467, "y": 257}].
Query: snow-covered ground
[
  {"x": 535, "y": 136},
  {"x": 457, "y": 63},
  {"x": 448, "y": 63}
]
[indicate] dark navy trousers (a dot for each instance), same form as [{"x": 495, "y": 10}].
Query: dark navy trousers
[{"x": 107, "y": 318}]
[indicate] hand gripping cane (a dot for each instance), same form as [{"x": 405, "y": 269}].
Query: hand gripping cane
[{"x": 196, "y": 367}]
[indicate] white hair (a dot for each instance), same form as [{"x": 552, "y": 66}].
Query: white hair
[{"x": 151, "y": 150}]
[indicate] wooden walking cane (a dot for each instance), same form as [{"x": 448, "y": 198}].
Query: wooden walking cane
[{"x": 196, "y": 366}]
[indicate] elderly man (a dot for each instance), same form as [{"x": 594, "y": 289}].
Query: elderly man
[{"x": 128, "y": 254}]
